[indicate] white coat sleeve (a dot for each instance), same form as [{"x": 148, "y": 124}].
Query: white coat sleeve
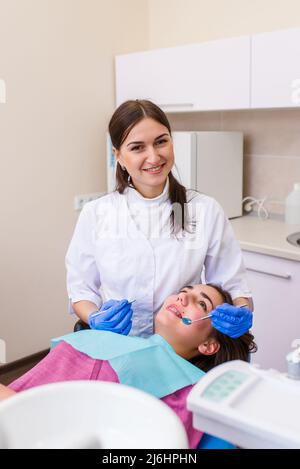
[
  {"x": 83, "y": 277},
  {"x": 224, "y": 263}
]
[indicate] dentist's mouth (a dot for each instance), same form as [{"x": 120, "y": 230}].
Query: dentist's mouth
[
  {"x": 173, "y": 309},
  {"x": 154, "y": 169}
]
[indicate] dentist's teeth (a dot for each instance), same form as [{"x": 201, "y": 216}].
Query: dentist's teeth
[{"x": 154, "y": 168}]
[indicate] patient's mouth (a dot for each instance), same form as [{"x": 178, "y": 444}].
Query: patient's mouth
[{"x": 174, "y": 310}]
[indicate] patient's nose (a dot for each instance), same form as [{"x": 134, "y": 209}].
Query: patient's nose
[{"x": 183, "y": 298}]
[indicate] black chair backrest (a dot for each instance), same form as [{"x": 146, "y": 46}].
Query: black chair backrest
[{"x": 80, "y": 326}]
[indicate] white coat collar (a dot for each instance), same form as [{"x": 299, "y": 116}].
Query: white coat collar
[{"x": 133, "y": 196}]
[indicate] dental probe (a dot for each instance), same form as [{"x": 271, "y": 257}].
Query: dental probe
[{"x": 188, "y": 321}]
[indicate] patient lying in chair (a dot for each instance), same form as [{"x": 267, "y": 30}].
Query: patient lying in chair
[{"x": 165, "y": 365}]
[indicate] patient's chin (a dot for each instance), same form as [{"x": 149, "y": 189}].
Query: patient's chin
[{"x": 160, "y": 322}]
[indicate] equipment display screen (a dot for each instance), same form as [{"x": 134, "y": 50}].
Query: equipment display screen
[{"x": 224, "y": 385}]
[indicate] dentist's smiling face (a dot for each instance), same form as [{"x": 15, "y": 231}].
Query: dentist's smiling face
[
  {"x": 147, "y": 154},
  {"x": 193, "y": 302}
]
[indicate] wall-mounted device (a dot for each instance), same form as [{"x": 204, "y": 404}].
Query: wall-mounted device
[{"x": 212, "y": 163}]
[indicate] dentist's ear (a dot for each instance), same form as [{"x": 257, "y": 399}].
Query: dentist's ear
[
  {"x": 116, "y": 153},
  {"x": 117, "y": 156},
  {"x": 209, "y": 347}
]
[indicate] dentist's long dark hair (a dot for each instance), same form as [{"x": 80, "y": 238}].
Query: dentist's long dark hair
[{"x": 125, "y": 117}]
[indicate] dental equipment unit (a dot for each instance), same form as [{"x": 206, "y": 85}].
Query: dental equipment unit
[
  {"x": 187, "y": 321},
  {"x": 248, "y": 406}
]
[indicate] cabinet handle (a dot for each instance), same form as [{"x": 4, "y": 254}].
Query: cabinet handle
[
  {"x": 284, "y": 276},
  {"x": 181, "y": 105}
]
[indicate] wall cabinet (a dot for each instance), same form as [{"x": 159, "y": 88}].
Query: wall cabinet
[
  {"x": 275, "y": 75},
  {"x": 275, "y": 286},
  {"x": 162, "y": 76},
  {"x": 259, "y": 71},
  {"x": 221, "y": 74},
  {"x": 207, "y": 76}
]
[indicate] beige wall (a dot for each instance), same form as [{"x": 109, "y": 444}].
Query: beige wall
[
  {"x": 56, "y": 57},
  {"x": 174, "y": 22}
]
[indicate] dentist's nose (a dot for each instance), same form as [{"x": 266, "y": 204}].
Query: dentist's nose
[{"x": 152, "y": 156}]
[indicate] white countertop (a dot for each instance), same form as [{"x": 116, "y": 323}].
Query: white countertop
[{"x": 266, "y": 236}]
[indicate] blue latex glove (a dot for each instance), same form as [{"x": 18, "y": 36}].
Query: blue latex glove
[
  {"x": 114, "y": 316},
  {"x": 232, "y": 320}
]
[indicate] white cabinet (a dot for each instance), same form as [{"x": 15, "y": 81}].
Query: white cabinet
[
  {"x": 162, "y": 76},
  {"x": 275, "y": 285},
  {"x": 261, "y": 71},
  {"x": 208, "y": 76},
  {"x": 221, "y": 74},
  {"x": 275, "y": 75}
]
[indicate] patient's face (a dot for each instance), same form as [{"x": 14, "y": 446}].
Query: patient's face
[{"x": 194, "y": 302}]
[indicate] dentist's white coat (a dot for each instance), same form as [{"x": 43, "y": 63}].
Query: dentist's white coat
[{"x": 110, "y": 257}]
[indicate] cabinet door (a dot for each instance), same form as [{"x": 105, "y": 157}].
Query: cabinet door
[
  {"x": 162, "y": 76},
  {"x": 275, "y": 77},
  {"x": 207, "y": 76},
  {"x": 221, "y": 79},
  {"x": 275, "y": 287}
]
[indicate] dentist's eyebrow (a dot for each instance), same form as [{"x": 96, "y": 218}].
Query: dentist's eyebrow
[
  {"x": 190, "y": 287},
  {"x": 157, "y": 138}
]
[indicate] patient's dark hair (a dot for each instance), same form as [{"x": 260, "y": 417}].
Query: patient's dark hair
[{"x": 230, "y": 349}]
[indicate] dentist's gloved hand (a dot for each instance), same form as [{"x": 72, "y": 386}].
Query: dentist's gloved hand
[
  {"x": 232, "y": 320},
  {"x": 114, "y": 316}
]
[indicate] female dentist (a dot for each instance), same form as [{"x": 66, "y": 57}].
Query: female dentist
[{"x": 151, "y": 237}]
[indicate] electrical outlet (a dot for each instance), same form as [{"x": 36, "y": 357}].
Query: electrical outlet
[{"x": 81, "y": 200}]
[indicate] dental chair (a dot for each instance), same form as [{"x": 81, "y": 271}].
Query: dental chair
[
  {"x": 207, "y": 441},
  {"x": 80, "y": 326}
]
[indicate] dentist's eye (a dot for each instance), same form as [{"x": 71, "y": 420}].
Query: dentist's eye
[
  {"x": 137, "y": 148},
  {"x": 161, "y": 142}
]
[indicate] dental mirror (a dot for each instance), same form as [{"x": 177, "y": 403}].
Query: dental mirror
[{"x": 188, "y": 321}]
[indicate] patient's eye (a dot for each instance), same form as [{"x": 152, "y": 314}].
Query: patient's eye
[{"x": 203, "y": 304}]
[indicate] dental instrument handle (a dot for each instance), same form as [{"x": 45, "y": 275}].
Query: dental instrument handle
[
  {"x": 210, "y": 315},
  {"x": 201, "y": 319},
  {"x": 188, "y": 321}
]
